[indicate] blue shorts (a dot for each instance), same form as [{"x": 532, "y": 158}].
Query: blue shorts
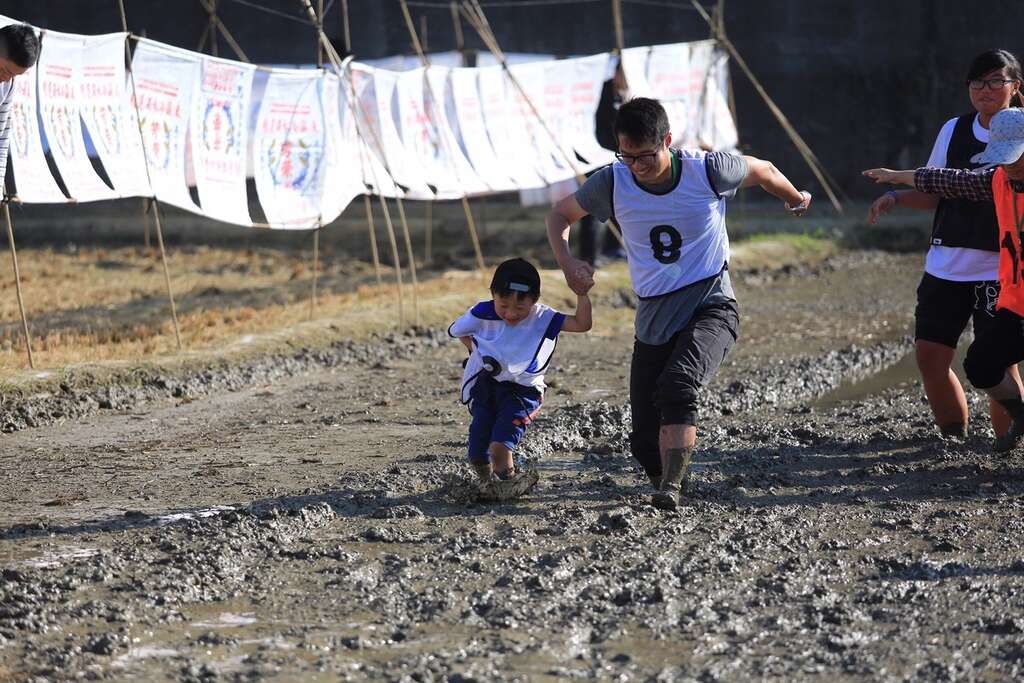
[{"x": 501, "y": 411}]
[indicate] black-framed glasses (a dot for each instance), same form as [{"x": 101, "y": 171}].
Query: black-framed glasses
[
  {"x": 991, "y": 83},
  {"x": 630, "y": 159}
]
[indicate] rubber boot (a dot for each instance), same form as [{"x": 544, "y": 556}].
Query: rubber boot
[
  {"x": 673, "y": 479},
  {"x": 1015, "y": 409}
]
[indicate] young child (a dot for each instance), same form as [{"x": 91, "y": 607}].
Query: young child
[{"x": 510, "y": 340}]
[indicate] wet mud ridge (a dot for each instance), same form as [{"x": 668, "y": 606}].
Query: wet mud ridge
[{"x": 319, "y": 527}]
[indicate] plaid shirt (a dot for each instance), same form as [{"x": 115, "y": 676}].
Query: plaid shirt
[{"x": 956, "y": 183}]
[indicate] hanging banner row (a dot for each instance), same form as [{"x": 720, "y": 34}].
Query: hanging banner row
[{"x": 189, "y": 129}]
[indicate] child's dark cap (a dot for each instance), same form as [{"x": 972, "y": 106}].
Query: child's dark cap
[{"x": 516, "y": 276}]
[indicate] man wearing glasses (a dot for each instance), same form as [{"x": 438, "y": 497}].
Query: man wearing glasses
[{"x": 670, "y": 207}]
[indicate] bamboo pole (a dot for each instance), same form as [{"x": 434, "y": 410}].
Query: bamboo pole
[
  {"x": 316, "y": 274},
  {"x": 146, "y": 206},
  {"x": 428, "y": 247},
  {"x": 412, "y": 261},
  {"x": 336, "y": 62},
  {"x": 212, "y": 28},
  {"x": 203, "y": 38},
  {"x": 155, "y": 202},
  {"x": 215, "y": 21},
  {"x": 319, "y": 223},
  {"x": 345, "y": 31},
  {"x": 445, "y": 143},
  {"x": 167, "y": 271},
  {"x": 620, "y": 41},
  {"x": 460, "y": 40},
  {"x": 802, "y": 147},
  {"x": 394, "y": 254},
  {"x": 17, "y": 284},
  {"x": 368, "y": 205}
]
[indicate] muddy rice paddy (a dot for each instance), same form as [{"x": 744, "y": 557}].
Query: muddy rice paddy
[{"x": 306, "y": 517}]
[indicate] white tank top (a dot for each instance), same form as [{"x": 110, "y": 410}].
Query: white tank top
[
  {"x": 517, "y": 353},
  {"x": 672, "y": 239}
]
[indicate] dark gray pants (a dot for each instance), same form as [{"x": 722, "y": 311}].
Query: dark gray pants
[{"x": 665, "y": 379}]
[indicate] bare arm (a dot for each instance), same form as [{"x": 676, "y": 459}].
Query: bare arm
[
  {"x": 579, "y": 275},
  {"x": 467, "y": 342},
  {"x": 887, "y": 175},
  {"x": 582, "y": 321},
  {"x": 764, "y": 174}
]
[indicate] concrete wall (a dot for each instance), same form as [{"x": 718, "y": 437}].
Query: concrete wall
[{"x": 866, "y": 82}]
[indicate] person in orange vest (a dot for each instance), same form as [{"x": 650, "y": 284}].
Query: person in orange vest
[{"x": 1002, "y": 345}]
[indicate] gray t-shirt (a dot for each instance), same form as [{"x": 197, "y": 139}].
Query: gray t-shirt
[{"x": 658, "y": 318}]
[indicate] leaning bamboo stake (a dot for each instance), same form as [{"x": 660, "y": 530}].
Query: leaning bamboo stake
[
  {"x": 412, "y": 260},
  {"x": 373, "y": 237},
  {"x": 319, "y": 221},
  {"x": 428, "y": 247},
  {"x": 368, "y": 205},
  {"x": 336, "y": 62},
  {"x": 17, "y": 284},
  {"x": 316, "y": 268},
  {"x": 155, "y": 202},
  {"x": 802, "y": 147},
  {"x": 167, "y": 271},
  {"x": 445, "y": 143},
  {"x": 215, "y": 21},
  {"x": 146, "y": 202},
  {"x": 345, "y": 32},
  {"x": 620, "y": 40}
]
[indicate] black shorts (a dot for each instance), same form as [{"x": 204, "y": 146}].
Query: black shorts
[
  {"x": 945, "y": 306},
  {"x": 998, "y": 348}
]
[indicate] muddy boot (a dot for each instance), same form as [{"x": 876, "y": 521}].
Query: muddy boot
[
  {"x": 673, "y": 479},
  {"x": 1008, "y": 441},
  {"x": 514, "y": 485},
  {"x": 655, "y": 480}
]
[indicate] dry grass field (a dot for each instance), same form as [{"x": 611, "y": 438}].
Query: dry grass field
[{"x": 104, "y": 305}]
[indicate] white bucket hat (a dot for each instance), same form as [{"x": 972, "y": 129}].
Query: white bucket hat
[{"x": 1006, "y": 138}]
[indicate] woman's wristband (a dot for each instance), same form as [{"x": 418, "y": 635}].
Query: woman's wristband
[{"x": 895, "y": 196}]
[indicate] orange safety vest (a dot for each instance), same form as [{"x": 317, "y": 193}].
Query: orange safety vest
[{"x": 1010, "y": 212}]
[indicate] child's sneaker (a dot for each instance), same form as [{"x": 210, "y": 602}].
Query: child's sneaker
[{"x": 516, "y": 485}]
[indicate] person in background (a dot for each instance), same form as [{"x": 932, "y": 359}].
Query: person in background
[
  {"x": 19, "y": 50},
  {"x": 961, "y": 272},
  {"x": 613, "y": 93}
]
